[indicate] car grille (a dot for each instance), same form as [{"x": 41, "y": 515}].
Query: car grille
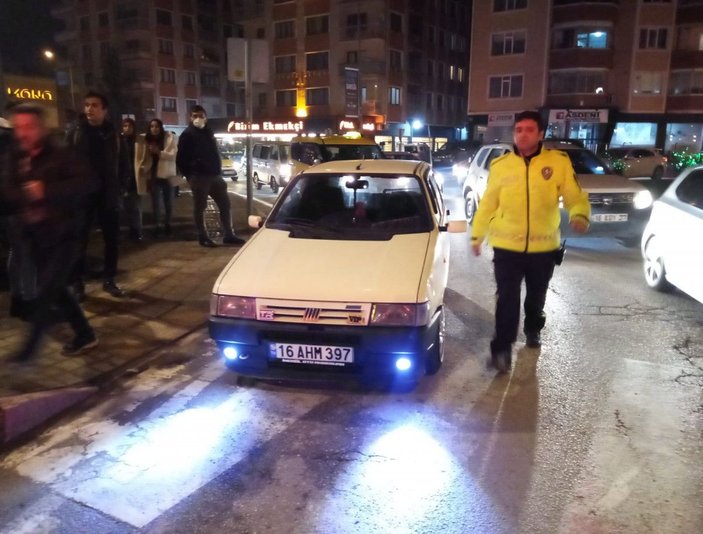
[
  {"x": 309, "y": 312},
  {"x": 610, "y": 199}
]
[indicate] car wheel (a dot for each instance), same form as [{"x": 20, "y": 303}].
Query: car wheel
[
  {"x": 255, "y": 180},
  {"x": 470, "y": 207},
  {"x": 654, "y": 270},
  {"x": 274, "y": 184},
  {"x": 657, "y": 174},
  {"x": 435, "y": 357},
  {"x": 234, "y": 177}
]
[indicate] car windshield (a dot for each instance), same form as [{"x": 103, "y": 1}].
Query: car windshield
[
  {"x": 586, "y": 162},
  {"x": 311, "y": 153},
  {"x": 352, "y": 206}
]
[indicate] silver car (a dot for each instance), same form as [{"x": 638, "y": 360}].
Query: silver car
[
  {"x": 672, "y": 246},
  {"x": 619, "y": 207}
]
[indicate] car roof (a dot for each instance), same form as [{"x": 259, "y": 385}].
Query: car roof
[
  {"x": 369, "y": 166},
  {"x": 334, "y": 140}
]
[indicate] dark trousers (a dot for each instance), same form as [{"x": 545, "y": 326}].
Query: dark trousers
[
  {"x": 162, "y": 192},
  {"x": 55, "y": 265},
  {"x": 215, "y": 187},
  {"x": 510, "y": 269},
  {"x": 108, "y": 219}
]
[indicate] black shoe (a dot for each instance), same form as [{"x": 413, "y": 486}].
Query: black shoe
[
  {"x": 533, "y": 340},
  {"x": 233, "y": 240},
  {"x": 502, "y": 361},
  {"x": 207, "y": 242},
  {"x": 80, "y": 344},
  {"x": 111, "y": 287},
  {"x": 135, "y": 235}
]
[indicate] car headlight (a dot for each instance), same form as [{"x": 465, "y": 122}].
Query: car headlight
[
  {"x": 400, "y": 314},
  {"x": 642, "y": 200},
  {"x": 286, "y": 170},
  {"x": 228, "y": 306}
]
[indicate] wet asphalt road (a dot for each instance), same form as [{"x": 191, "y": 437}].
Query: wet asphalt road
[{"x": 600, "y": 431}]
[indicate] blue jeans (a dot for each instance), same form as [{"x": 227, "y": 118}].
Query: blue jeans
[{"x": 161, "y": 191}]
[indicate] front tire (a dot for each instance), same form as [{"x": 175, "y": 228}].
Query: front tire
[
  {"x": 470, "y": 207},
  {"x": 657, "y": 174},
  {"x": 654, "y": 269},
  {"x": 274, "y": 184},
  {"x": 257, "y": 183},
  {"x": 435, "y": 357}
]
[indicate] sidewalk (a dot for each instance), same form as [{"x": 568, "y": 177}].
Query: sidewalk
[{"x": 168, "y": 284}]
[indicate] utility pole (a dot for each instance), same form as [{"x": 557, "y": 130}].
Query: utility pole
[{"x": 248, "y": 98}]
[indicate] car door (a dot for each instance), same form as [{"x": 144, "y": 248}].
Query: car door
[
  {"x": 439, "y": 275},
  {"x": 684, "y": 251}
]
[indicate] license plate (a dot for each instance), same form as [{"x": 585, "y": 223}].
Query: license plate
[
  {"x": 609, "y": 217},
  {"x": 312, "y": 354}
]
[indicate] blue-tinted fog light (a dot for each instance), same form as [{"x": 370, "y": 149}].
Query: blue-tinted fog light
[
  {"x": 230, "y": 353},
  {"x": 403, "y": 363}
]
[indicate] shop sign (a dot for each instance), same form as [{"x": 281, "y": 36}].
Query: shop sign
[
  {"x": 578, "y": 115},
  {"x": 501, "y": 119},
  {"x": 267, "y": 127},
  {"x": 368, "y": 126},
  {"x": 351, "y": 92},
  {"x": 25, "y": 93}
]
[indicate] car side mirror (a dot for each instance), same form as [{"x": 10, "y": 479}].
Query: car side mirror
[
  {"x": 454, "y": 227},
  {"x": 255, "y": 221}
]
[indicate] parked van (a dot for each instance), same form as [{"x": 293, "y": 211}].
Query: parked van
[
  {"x": 271, "y": 165},
  {"x": 309, "y": 151}
]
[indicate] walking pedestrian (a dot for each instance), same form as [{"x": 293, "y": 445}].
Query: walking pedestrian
[
  {"x": 96, "y": 141},
  {"x": 47, "y": 190},
  {"x": 199, "y": 161},
  {"x": 520, "y": 215},
  {"x": 157, "y": 163},
  {"x": 130, "y": 145}
]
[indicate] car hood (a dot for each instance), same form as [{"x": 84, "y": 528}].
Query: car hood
[
  {"x": 608, "y": 183},
  {"x": 274, "y": 265}
]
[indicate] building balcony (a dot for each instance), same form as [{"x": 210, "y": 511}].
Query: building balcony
[
  {"x": 580, "y": 100},
  {"x": 356, "y": 33},
  {"x": 581, "y": 58},
  {"x": 689, "y": 14},
  {"x": 365, "y": 67},
  {"x": 684, "y": 103},
  {"x": 687, "y": 59},
  {"x": 569, "y": 11}
]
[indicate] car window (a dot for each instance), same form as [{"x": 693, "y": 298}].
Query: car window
[
  {"x": 482, "y": 156},
  {"x": 333, "y": 206},
  {"x": 617, "y": 152},
  {"x": 306, "y": 152},
  {"x": 586, "y": 162},
  {"x": 690, "y": 190},
  {"x": 274, "y": 153},
  {"x": 347, "y": 152},
  {"x": 256, "y": 152},
  {"x": 265, "y": 151},
  {"x": 495, "y": 152}
]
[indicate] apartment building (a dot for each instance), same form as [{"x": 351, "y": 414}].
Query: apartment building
[
  {"x": 411, "y": 59},
  {"x": 153, "y": 58},
  {"x": 607, "y": 72}
]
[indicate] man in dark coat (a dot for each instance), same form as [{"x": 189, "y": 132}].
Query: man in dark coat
[
  {"x": 95, "y": 140},
  {"x": 199, "y": 161},
  {"x": 47, "y": 190}
]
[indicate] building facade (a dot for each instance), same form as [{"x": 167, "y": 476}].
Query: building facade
[
  {"x": 153, "y": 58},
  {"x": 608, "y": 72},
  {"x": 396, "y": 67}
]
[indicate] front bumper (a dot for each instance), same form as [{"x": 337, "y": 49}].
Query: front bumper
[
  {"x": 630, "y": 229},
  {"x": 376, "y": 349}
]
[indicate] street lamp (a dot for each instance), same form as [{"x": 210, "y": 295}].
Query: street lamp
[{"x": 49, "y": 55}]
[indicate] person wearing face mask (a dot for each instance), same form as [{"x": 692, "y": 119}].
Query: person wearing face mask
[{"x": 199, "y": 161}]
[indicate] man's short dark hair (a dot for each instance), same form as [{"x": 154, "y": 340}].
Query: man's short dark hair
[
  {"x": 197, "y": 108},
  {"x": 129, "y": 120},
  {"x": 99, "y": 96},
  {"x": 532, "y": 116},
  {"x": 29, "y": 109}
]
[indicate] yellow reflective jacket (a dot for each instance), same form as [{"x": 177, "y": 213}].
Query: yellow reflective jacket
[{"x": 519, "y": 210}]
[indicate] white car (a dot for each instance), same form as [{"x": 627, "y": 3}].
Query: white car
[
  {"x": 637, "y": 162},
  {"x": 672, "y": 246},
  {"x": 619, "y": 207},
  {"x": 346, "y": 276}
]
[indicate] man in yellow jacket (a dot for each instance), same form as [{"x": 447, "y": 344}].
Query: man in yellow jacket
[{"x": 519, "y": 213}]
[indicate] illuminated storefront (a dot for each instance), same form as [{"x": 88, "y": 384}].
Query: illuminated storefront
[{"x": 33, "y": 89}]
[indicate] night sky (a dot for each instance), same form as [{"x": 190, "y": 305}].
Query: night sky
[{"x": 26, "y": 27}]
